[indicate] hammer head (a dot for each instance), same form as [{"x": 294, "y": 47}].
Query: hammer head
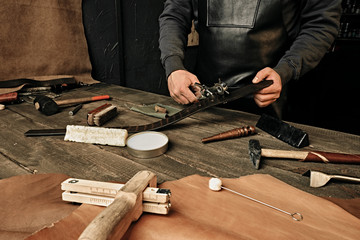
[
  {"x": 255, "y": 152},
  {"x": 46, "y": 105}
]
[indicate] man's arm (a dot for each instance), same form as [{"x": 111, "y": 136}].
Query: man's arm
[
  {"x": 317, "y": 29},
  {"x": 175, "y": 25}
]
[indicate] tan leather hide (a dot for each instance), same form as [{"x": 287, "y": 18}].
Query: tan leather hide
[
  {"x": 41, "y": 38},
  {"x": 33, "y": 202}
]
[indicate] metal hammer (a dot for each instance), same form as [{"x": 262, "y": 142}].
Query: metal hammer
[
  {"x": 256, "y": 152},
  {"x": 126, "y": 208},
  {"x": 49, "y": 107}
]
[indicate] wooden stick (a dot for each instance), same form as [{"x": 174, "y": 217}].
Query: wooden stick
[
  {"x": 126, "y": 208},
  {"x": 81, "y": 100}
]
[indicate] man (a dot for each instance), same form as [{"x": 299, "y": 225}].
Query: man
[{"x": 245, "y": 40}]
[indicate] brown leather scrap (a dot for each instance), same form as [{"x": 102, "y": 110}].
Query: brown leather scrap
[{"x": 199, "y": 213}]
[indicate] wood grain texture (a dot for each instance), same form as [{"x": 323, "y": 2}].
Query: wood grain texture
[{"x": 186, "y": 155}]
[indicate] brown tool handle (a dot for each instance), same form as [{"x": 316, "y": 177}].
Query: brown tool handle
[
  {"x": 81, "y": 100},
  {"x": 273, "y": 153},
  {"x": 332, "y": 157},
  {"x": 126, "y": 208},
  {"x": 233, "y": 133},
  {"x": 312, "y": 156},
  {"x": 8, "y": 97}
]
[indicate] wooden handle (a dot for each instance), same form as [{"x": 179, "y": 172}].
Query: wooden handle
[
  {"x": 103, "y": 224},
  {"x": 328, "y": 157},
  {"x": 8, "y": 97},
  {"x": 81, "y": 100},
  {"x": 127, "y": 207},
  {"x": 312, "y": 156},
  {"x": 271, "y": 153}
]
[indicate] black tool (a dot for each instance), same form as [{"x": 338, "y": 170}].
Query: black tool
[
  {"x": 283, "y": 131},
  {"x": 75, "y": 110}
]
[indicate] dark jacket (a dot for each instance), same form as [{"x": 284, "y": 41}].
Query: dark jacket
[{"x": 310, "y": 28}]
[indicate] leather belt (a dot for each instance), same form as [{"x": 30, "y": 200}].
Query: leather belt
[{"x": 193, "y": 108}]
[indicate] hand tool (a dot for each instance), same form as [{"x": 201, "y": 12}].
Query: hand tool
[
  {"x": 101, "y": 115},
  {"x": 319, "y": 179},
  {"x": 215, "y": 184},
  {"x": 49, "y": 107},
  {"x": 283, "y": 131},
  {"x": 8, "y": 97},
  {"x": 234, "y": 133},
  {"x": 75, "y": 110},
  {"x": 256, "y": 152},
  {"x": 126, "y": 208},
  {"x": 209, "y": 101},
  {"x": 155, "y": 200}
]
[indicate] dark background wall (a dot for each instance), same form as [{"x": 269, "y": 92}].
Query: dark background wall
[
  {"x": 123, "y": 42},
  {"x": 123, "y": 46}
]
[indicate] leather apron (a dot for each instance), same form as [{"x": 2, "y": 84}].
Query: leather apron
[{"x": 238, "y": 38}]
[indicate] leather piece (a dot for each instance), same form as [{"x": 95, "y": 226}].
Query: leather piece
[
  {"x": 29, "y": 203},
  {"x": 199, "y": 213}
]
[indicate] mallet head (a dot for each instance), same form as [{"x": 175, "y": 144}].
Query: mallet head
[
  {"x": 255, "y": 152},
  {"x": 46, "y": 105}
]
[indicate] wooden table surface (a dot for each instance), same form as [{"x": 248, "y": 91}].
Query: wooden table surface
[{"x": 186, "y": 154}]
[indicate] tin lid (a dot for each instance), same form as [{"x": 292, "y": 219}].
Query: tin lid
[{"x": 147, "y": 144}]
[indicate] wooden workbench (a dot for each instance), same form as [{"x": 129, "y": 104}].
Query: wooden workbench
[{"x": 186, "y": 155}]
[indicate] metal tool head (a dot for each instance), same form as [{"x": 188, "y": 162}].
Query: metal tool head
[
  {"x": 46, "y": 105},
  {"x": 318, "y": 179},
  {"x": 255, "y": 152}
]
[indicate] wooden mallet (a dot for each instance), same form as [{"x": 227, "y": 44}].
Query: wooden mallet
[
  {"x": 126, "y": 208},
  {"x": 49, "y": 107},
  {"x": 256, "y": 152}
]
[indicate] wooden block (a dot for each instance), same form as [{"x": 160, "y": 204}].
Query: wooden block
[{"x": 107, "y": 189}]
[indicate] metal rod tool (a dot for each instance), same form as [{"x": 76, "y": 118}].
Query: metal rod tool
[{"x": 215, "y": 184}]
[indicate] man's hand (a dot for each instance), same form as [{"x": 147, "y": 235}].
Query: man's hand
[
  {"x": 178, "y": 83},
  {"x": 268, "y": 95}
]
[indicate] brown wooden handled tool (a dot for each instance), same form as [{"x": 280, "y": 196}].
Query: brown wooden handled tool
[
  {"x": 126, "y": 208},
  {"x": 49, "y": 107},
  {"x": 234, "y": 133},
  {"x": 256, "y": 152}
]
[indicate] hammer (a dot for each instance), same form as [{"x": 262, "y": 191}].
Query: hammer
[
  {"x": 256, "y": 152},
  {"x": 126, "y": 208},
  {"x": 49, "y": 107}
]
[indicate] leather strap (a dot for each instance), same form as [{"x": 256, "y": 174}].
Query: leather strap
[
  {"x": 201, "y": 105},
  {"x": 37, "y": 81},
  {"x": 193, "y": 108}
]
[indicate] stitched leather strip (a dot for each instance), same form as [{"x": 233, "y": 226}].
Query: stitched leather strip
[
  {"x": 201, "y": 105},
  {"x": 195, "y": 107}
]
